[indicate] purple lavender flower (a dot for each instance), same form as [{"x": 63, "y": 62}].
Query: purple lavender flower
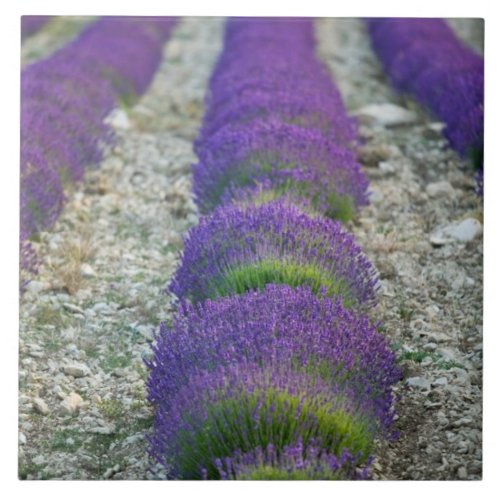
[
  {"x": 64, "y": 100},
  {"x": 269, "y": 69},
  {"x": 236, "y": 249},
  {"x": 303, "y": 332},
  {"x": 295, "y": 462},
  {"x": 243, "y": 406},
  {"x": 423, "y": 57},
  {"x": 293, "y": 159}
]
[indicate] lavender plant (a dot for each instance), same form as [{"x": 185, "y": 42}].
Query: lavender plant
[
  {"x": 424, "y": 58},
  {"x": 292, "y": 159},
  {"x": 238, "y": 249},
  {"x": 311, "y": 334},
  {"x": 271, "y": 70},
  {"x": 243, "y": 407},
  {"x": 64, "y": 100}
]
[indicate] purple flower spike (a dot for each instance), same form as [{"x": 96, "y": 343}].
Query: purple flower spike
[
  {"x": 290, "y": 157},
  {"x": 291, "y": 326},
  {"x": 239, "y": 248}
]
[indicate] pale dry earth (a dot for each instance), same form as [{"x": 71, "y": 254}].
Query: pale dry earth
[
  {"x": 52, "y": 36},
  {"x": 87, "y": 319},
  {"x": 423, "y": 231}
]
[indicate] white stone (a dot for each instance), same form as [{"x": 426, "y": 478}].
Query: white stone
[
  {"x": 118, "y": 119},
  {"x": 71, "y": 404},
  {"x": 439, "y": 189},
  {"x": 73, "y": 308},
  {"x": 387, "y": 114},
  {"x": 441, "y": 381},
  {"x": 76, "y": 370},
  {"x": 466, "y": 230},
  {"x": 87, "y": 271},
  {"x": 419, "y": 383},
  {"x": 40, "y": 406},
  {"x": 462, "y": 231},
  {"x": 35, "y": 287}
]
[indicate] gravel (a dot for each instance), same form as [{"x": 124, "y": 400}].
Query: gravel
[
  {"x": 86, "y": 322},
  {"x": 430, "y": 303}
]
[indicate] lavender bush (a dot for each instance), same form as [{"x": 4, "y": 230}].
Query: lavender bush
[
  {"x": 273, "y": 115},
  {"x": 292, "y": 159},
  {"x": 64, "y": 100},
  {"x": 271, "y": 70},
  {"x": 237, "y": 249},
  {"x": 311, "y": 333},
  {"x": 424, "y": 58},
  {"x": 242, "y": 407}
]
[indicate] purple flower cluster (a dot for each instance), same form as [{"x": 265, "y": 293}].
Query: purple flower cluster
[
  {"x": 270, "y": 370},
  {"x": 296, "y": 461},
  {"x": 317, "y": 344},
  {"x": 424, "y": 58},
  {"x": 277, "y": 233},
  {"x": 31, "y": 24},
  {"x": 273, "y": 114},
  {"x": 64, "y": 100}
]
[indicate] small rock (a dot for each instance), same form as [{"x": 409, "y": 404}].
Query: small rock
[
  {"x": 439, "y": 189},
  {"x": 463, "y": 231},
  {"x": 95, "y": 398},
  {"x": 76, "y": 370},
  {"x": 35, "y": 287},
  {"x": 419, "y": 383},
  {"x": 118, "y": 119},
  {"x": 71, "y": 404},
  {"x": 466, "y": 230},
  {"x": 434, "y": 130},
  {"x": 441, "y": 381},
  {"x": 40, "y": 406},
  {"x": 386, "y": 114},
  {"x": 73, "y": 308},
  {"x": 111, "y": 471},
  {"x": 106, "y": 431},
  {"x": 430, "y": 347},
  {"x": 372, "y": 155},
  {"x": 87, "y": 271},
  {"x": 387, "y": 167},
  {"x": 463, "y": 421},
  {"x": 22, "y": 439},
  {"x": 462, "y": 473},
  {"x": 39, "y": 460}
]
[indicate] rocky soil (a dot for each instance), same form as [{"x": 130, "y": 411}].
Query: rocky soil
[
  {"x": 87, "y": 319},
  {"x": 423, "y": 231},
  {"x": 52, "y": 36}
]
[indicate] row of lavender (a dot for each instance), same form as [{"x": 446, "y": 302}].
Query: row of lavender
[
  {"x": 64, "y": 100},
  {"x": 423, "y": 57},
  {"x": 270, "y": 369}
]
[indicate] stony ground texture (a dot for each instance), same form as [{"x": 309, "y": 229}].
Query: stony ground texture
[
  {"x": 423, "y": 231},
  {"x": 52, "y": 36},
  {"x": 87, "y": 319}
]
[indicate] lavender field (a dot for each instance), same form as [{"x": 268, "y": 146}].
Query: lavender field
[{"x": 251, "y": 248}]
